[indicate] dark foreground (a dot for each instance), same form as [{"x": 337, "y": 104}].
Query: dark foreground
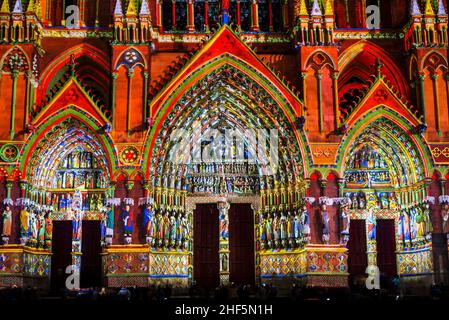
[{"x": 244, "y": 302}]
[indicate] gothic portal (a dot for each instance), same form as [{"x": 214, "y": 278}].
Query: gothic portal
[{"x": 147, "y": 142}]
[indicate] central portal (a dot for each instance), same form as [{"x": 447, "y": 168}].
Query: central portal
[{"x": 212, "y": 262}]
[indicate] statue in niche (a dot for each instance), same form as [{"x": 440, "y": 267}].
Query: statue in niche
[
  {"x": 7, "y": 222},
  {"x": 384, "y": 201},
  {"x": 262, "y": 231},
  {"x": 69, "y": 180},
  {"x": 69, "y": 203},
  {"x": 297, "y": 227},
  {"x": 173, "y": 229},
  {"x": 24, "y": 222},
  {"x": 89, "y": 181},
  {"x": 160, "y": 227},
  {"x": 41, "y": 230},
  {"x": 186, "y": 230},
  {"x": 269, "y": 230},
  {"x": 76, "y": 226},
  {"x": 93, "y": 202},
  {"x": 109, "y": 224},
  {"x": 345, "y": 224},
  {"x": 60, "y": 178},
  {"x": 148, "y": 223},
  {"x": 413, "y": 226},
  {"x": 76, "y": 161},
  {"x": 305, "y": 224},
  {"x": 88, "y": 160},
  {"x": 427, "y": 220},
  {"x": 407, "y": 234},
  {"x": 99, "y": 202},
  {"x": 362, "y": 201},
  {"x": 79, "y": 180},
  {"x": 48, "y": 229},
  {"x": 86, "y": 202},
  {"x": 401, "y": 226},
  {"x": 224, "y": 221},
  {"x": 420, "y": 225},
  {"x": 55, "y": 202},
  {"x": 354, "y": 201},
  {"x": 65, "y": 162},
  {"x": 325, "y": 221},
  {"x": 276, "y": 231},
  {"x": 371, "y": 225},
  {"x": 445, "y": 216},
  {"x": 393, "y": 201},
  {"x": 166, "y": 229},
  {"x": 224, "y": 262},
  {"x": 33, "y": 225},
  {"x": 283, "y": 229},
  {"x": 179, "y": 229},
  {"x": 128, "y": 221},
  {"x": 291, "y": 229}
]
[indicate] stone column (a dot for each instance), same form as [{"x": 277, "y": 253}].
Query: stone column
[{"x": 223, "y": 209}]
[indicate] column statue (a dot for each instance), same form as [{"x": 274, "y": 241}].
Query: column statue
[
  {"x": 128, "y": 223},
  {"x": 7, "y": 224}
]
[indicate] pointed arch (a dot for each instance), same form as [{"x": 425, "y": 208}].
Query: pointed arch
[
  {"x": 434, "y": 61},
  {"x": 400, "y": 125},
  {"x": 6, "y": 54},
  {"x": 96, "y": 132},
  {"x": 83, "y": 49},
  {"x": 229, "y": 52},
  {"x": 372, "y": 50},
  {"x": 224, "y": 62},
  {"x": 131, "y": 58},
  {"x": 319, "y": 59}
]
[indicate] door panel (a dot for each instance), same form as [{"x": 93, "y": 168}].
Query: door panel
[
  {"x": 61, "y": 249},
  {"x": 386, "y": 247},
  {"x": 358, "y": 260},
  {"x": 206, "y": 268},
  {"x": 91, "y": 258},
  {"x": 241, "y": 243}
]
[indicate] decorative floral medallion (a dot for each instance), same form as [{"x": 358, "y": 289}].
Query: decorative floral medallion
[
  {"x": 9, "y": 153},
  {"x": 129, "y": 155}
]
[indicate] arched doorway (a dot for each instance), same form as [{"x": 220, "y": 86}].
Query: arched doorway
[
  {"x": 384, "y": 178},
  {"x": 227, "y": 142},
  {"x": 68, "y": 177}
]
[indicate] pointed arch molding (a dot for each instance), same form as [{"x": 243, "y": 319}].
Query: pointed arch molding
[
  {"x": 224, "y": 49},
  {"x": 400, "y": 121},
  {"x": 62, "y": 59},
  {"x": 351, "y": 53},
  {"x": 381, "y": 95},
  {"x": 67, "y": 112}
]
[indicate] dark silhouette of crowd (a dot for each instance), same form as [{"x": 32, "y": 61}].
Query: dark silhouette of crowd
[{"x": 357, "y": 291}]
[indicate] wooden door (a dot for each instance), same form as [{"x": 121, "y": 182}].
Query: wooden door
[
  {"x": 206, "y": 268},
  {"x": 386, "y": 247},
  {"x": 62, "y": 253},
  {"x": 91, "y": 258},
  {"x": 357, "y": 260},
  {"x": 241, "y": 243}
]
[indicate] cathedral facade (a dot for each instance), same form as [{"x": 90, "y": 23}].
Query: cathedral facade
[{"x": 214, "y": 141}]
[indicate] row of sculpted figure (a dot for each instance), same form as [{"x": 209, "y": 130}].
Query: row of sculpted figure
[
  {"x": 36, "y": 226},
  {"x": 222, "y": 185},
  {"x": 79, "y": 160},
  {"x": 224, "y": 168},
  {"x": 284, "y": 229},
  {"x": 70, "y": 179},
  {"x": 415, "y": 224},
  {"x": 62, "y": 202},
  {"x": 167, "y": 228}
]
